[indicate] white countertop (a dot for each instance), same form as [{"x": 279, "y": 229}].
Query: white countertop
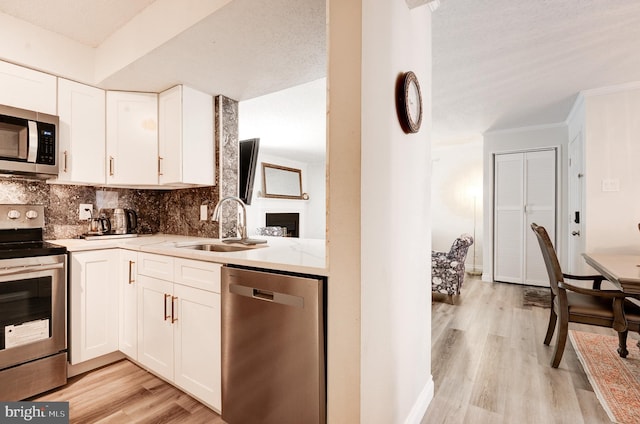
[{"x": 290, "y": 254}]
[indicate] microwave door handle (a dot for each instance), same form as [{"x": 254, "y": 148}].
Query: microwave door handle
[{"x": 33, "y": 141}]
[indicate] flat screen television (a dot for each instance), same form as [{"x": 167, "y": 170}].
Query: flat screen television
[{"x": 248, "y": 158}]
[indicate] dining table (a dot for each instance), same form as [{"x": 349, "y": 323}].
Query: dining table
[{"x": 623, "y": 270}]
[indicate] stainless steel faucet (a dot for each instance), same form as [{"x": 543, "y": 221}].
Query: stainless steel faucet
[{"x": 241, "y": 228}]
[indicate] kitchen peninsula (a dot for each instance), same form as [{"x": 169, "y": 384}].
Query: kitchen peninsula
[
  {"x": 159, "y": 299},
  {"x": 305, "y": 256}
]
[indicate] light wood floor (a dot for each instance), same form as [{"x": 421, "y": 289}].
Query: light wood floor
[
  {"x": 489, "y": 364},
  {"x": 123, "y": 393}
]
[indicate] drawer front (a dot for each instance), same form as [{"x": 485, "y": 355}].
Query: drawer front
[
  {"x": 157, "y": 266},
  {"x": 198, "y": 274}
]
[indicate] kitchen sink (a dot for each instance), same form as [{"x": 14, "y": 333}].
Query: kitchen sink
[{"x": 213, "y": 247}]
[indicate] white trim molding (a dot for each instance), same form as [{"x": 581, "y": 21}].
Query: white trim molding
[
  {"x": 433, "y": 4},
  {"x": 422, "y": 403}
]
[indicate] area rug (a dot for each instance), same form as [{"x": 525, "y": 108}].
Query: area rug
[
  {"x": 615, "y": 381},
  {"x": 536, "y": 296}
]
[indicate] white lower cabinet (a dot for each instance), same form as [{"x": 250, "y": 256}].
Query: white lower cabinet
[
  {"x": 93, "y": 302},
  {"x": 128, "y": 293},
  {"x": 162, "y": 312},
  {"x": 179, "y": 334},
  {"x": 155, "y": 330},
  {"x": 197, "y": 343}
]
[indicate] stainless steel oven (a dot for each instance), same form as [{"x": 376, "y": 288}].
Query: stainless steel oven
[{"x": 33, "y": 342}]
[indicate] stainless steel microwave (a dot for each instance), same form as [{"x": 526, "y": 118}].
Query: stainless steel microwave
[{"x": 28, "y": 142}]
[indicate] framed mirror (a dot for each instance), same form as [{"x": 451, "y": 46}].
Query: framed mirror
[{"x": 281, "y": 182}]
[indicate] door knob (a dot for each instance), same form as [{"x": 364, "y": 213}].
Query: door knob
[{"x": 575, "y": 233}]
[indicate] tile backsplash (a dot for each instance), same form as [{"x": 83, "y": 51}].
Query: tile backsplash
[{"x": 171, "y": 212}]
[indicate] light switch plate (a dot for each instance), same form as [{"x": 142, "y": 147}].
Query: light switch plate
[
  {"x": 84, "y": 214},
  {"x": 612, "y": 184},
  {"x": 203, "y": 212}
]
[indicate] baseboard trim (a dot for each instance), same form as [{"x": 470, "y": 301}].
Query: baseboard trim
[
  {"x": 422, "y": 403},
  {"x": 92, "y": 364}
]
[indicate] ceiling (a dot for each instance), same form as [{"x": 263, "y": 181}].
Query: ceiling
[
  {"x": 497, "y": 64},
  {"x": 501, "y": 64},
  {"x": 240, "y": 48}
]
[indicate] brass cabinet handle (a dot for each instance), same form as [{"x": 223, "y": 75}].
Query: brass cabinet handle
[
  {"x": 111, "y": 166},
  {"x": 174, "y": 318},
  {"x": 65, "y": 161},
  {"x": 160, "y": 165},
  {"x": 131, "y": 278},
  {"x": 166, "y": 317}
]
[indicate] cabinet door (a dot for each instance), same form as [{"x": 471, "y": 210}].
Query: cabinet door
[
  {"x": 155, "y": 329},
  {"x": 94, "y": 304},
  {"x": 81, "y": 109},
  {"x": 132, "y": 138},
  {"x": 197, "y": 343},
  {"x": 128, "y": 334},
  {"x": 170, "y": 135},
  {"x": 186, "y": 139},
  {"x": 27, "y": 89}
]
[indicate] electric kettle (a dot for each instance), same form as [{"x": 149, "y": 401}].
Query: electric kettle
[
  {"x": 119, "y": 218},
  {"x": 125, "y": 221}
]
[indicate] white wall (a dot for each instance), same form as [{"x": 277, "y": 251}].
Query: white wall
[
  {"x": 521, "y": 139},
  {"x": 283, "y": 121},
  {"x": 312, "y": 211},
  {"x": 612, "y": 152},
  {"x": 378, "y": 215},
  {"x": 396, "y": 382},
  {"x": 456, "y": 180}
]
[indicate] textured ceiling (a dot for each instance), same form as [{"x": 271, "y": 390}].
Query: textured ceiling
[
  {"x": 510, "y": 63},
  {"x": 245, "y": 49},
  {"x": 496, "y": 63}
]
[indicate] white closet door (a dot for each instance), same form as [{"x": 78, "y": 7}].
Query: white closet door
[
  {"x": 540, "y": 207},
  {"x": 524, "y": 192},
  {"x": 509, "y": 217}
]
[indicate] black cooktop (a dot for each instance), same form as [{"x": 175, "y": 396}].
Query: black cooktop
[
  {"x": 30, "y": 249},
  {"x": 26, "y": 243}
]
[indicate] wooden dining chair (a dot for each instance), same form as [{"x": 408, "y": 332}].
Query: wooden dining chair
[{"x": 570, "y": 303}]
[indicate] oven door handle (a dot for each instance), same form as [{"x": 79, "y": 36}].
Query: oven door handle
[{"x": 30, "y": 268}]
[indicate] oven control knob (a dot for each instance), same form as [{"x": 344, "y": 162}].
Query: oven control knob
[
  {"x": 31, "y": 214},
  {"x": 13, "y": 214}
]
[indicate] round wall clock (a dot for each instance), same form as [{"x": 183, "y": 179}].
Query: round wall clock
[{"x": 409, "y": 103}]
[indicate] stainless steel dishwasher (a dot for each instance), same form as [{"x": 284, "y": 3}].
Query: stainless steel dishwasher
[{"x": 273, "y": 348}]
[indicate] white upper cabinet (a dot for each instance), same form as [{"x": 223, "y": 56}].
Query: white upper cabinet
[
  {"x": 27, "y": 89},
  {"x": 132, "y": 139},
  {"x": 186, "y": 138},
  {"x": 81, "y": 133}
]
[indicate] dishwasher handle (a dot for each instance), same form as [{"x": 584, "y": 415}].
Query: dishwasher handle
[
  {"x": 263, "y": 294},
  {"x": 266, "y": 295}
]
